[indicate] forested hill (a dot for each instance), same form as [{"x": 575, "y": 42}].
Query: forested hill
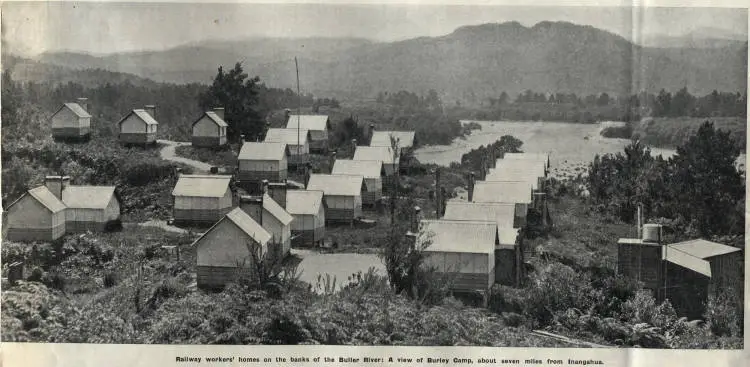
[{"x": 470, "y": 64}]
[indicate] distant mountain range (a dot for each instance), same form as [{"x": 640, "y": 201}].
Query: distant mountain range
[{"x": 470, "y": 64}]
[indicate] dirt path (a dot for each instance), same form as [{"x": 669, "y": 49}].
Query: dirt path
[
  {"x": 158, "y": 224},
  {"x": 168, "y": 152}
]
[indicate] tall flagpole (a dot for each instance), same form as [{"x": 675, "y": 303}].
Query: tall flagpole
[{"x": 299, "y": 104}]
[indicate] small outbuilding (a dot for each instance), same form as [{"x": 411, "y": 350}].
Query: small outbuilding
[
  {"x": 261, "y": 161},
  {"x": 319, "y": 127},
  {"x": 234, "y": 244},
  {"x": 503, "y": 214},
  {"x": 274, "y": 219},
  {"x": 342, "y": 195},
  {"x": 202, "y": 199},
  {"x": 298, "y": 143},
  {"x": 139, "y": 127},
  {"x": 309, "y": 213},
  {"x": 71, "y": 121},
  {"x": 38, "y": 215},
  {"x": 405, "y": 139},
  {"x": 210, "y": 130},
  {"x": 543, "y": 158},
  {"x": 90, "y": 208},
  {"x": 510, "y": 192},
  {"x": 372, "y": 171},
  {"x": 382, "y": 154}
]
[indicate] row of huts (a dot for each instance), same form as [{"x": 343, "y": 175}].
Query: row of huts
[{"x": 478, "y": 242}]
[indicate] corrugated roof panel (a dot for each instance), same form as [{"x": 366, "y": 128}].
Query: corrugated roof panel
[
  {"x": 288, "y": 136},
  {"x": 537, "y": 156},
  {"x": 367, "y": 169},
  {"x": 202, "y": 185},
  {"x": 215, "y": 118},
  {"x": 502, "y": 192},
  {"x": 500, "y": 213},
  {"x": 687, "y": 261},
  {"x": 276, "y": 210},
  {"x": 248, "y": 225},
  {"x": 383, "y": 154},
  {"x": 91, "y": 197},
  {"x": 458, "y": 236},
  {"x": 505, "y": 174},
  {"x": 339, "y": 185},
  {"x": 145, "y": 117},
  {"x": 308, "y": 122},
  {"x": 77, "y": 110},
  {"x": 262, "y": 151},
  {"x": 47, "y": 198},
  {"x": 703, "y": 249},
  {"x": 383, "y": 138},
  {"x": 304, "y": 202}
]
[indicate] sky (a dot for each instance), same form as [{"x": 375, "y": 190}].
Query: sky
[{"x": 106, "y": 27}]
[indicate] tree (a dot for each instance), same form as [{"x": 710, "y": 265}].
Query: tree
[
  {"x": 706, "y": 183},
  {"x": 238, "y": 94}
]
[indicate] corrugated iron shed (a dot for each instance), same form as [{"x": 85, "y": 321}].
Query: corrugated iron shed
[
  {"x": 500, "y": 213},
  {"x": 383, "y": 154},
  {"x": 288, "y": 136},
  {"x": 502, "y": 192},
  {"x": 529, "y": 168},
  {"x": 367, "y": 169},
  {"x": 308, "y": 122},
  {"x": 458, "y": 236},
  {"x": 303, "y": 202},
  {"x": 338, "y": 185},
  {"x": 276, "y": 210},
  {"x": 703, "y": 249},
  {"x": 202, "y": 185},
  {"x": 383, "y": 138},
  {"x": 89, "y": 197},
  {"x": 540, "y": 157},
  {"x": 263, "y": 151}
]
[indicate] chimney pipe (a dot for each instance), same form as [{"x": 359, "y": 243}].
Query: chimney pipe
[
  {"x": 219, "y": 111},
  {"x": 371, "y": 132},
  {"x": 416, "y": 219},
  {"x": 308, "y": 168},
  {"x": 354, "y": 146},
  {"x": 438, "y": 193},
  {"x": 253, "y": 206},
  {"x": 277, "y": 192},
  {"x": 57, "y": 184},
  {"x": 287, "y": 114},
  {"x": 151, "y": 109},
  {"x": 471, "y": 187},
  {"x": 332, "y": 160},
  {"x": 83, "y": 102}
]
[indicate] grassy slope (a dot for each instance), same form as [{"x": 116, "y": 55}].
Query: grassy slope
[{"x": 669, "y": 132}]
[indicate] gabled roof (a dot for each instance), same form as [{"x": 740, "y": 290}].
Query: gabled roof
[
  {"x": 245, "y": 223},
  {"x": 338, "y": 185},
  {"x": 502, "y": 192},
  {"x": 88, "y": 197},
  {"x": 383, "y": 154},
  {"x": 458, "y": 236},
  {"x": 686, "y": 260},
  {"x": 213, "y": 117},
  {"x": 539, "y": 157},
  {"x": 500, "y": 213},
  {"x": 276, "y": 210},
  {"x": 214, "y": 186},
  {"x": 75, "y": 108},
  {"x": 367, "y": 169},
  {"x": 505, "y": 173},
  {"x": 142, "y": 115},
  {"x": 303, "y": 202},
  {"x": 511, "y": 166},
  {"x": 383, "y": 138},
  {"x": 288, "y": 136},
  {"x": 263, "y": 151},
  {"x": 45, "y": 197},
  {"x": 703, "y": 249},
  {"x": 309, "y": 122}
]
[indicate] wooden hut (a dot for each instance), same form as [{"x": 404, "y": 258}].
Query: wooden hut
[
  {"x": 382, "y": 154},
  {"x": 90, "y": 208},
  {"x": 543, "y": 157},
  {"x": 372, "y": 171},
  {"x": 308, "y": 210},
  {"x": 503, "y": 214},
  {"x": 71, "y": 121},
  {"x": 519, "y": 170},
  {"x": 261, "y": 161},
  {"x": 139, "y": 127},
  {"x": 405, "y": 139},
  {"x": 210, "y": 130},
  {"x": 511, "y": 192},
  {"x": 342, "y": 195},
  {"x": 464, "y": 251},
  {"x": 201, "y": 199},
  {"x": 235, "y": 243},
  {"x": 38, "y": 215},
  {"x": 274, "y": 219},
  {"x": 298, "y": 143},
  {"x": 318, "y": 125}
]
